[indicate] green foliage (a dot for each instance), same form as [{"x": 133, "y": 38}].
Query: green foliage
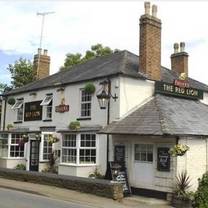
[
  {"x": 9, "y": 126},
  {"x": 21, "y": 72},
  {"x": 52, "y": 167},
  {"x": 11, "y": 101},
  {"x": 96, "y": 174},
  {"x": 201, "y": 195},
  {"x": 182, "y": 186},
  {"x": 3, "y": 87},
  {"x": 89, "y": 87},
  {"x": 74, "y": 125},
  {"x": 20, "y": 167},
  {"x": 77, "y": 58}
]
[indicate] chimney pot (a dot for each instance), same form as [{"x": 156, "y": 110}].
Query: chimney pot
[
  {"x": 147, "y": 8},
  {"x": 176, "y": 47},
  {"x": 154, "y": 10},
  {"x": 182, "y": 46},
  {"x": 45, "y": 52},
  {"x": 39, "y": 51}
]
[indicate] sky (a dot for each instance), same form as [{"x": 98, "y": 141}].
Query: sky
[{"x": 76, "y": 25}]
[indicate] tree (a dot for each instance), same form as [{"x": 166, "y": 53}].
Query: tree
[
  {"x": 21, "y": 72},
  {"x": 3, "y": 87},
  {"x": 77, "y": 58}
]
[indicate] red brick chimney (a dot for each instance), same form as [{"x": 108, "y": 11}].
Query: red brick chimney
[
  {"x": 150, "y": 43},
  {"x": 41, "y": 64},
  {"x": 179, "y": 59}
]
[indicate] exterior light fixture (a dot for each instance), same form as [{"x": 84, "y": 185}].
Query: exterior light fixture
[{"x": 105, "y": 95}]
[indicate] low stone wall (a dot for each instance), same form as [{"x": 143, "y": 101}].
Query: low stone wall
[{"x": 93, "y": 186}]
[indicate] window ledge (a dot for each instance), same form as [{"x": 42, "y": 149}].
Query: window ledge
[
  {"x": 16, "y": 158},
  {"x": 44, "y": 161},
  {"x": 16, "y": 122},
  {"x": 83, "y": 118},
  {"x": 77, "y": 165},
  {"x": 47, "y": 120}
]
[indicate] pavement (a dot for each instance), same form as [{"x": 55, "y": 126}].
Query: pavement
[{"x": 82, "y": 198}]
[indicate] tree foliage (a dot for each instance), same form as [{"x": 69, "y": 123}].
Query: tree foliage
[
  {"x": 21, "y": 72},
  {"x": 77, "y": 58}
]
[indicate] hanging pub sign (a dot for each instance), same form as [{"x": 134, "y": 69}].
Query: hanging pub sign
[
  {"x": 33, "y": 111},
  {"x": 119, "y": 174},
  {"x": 178, "y": 88},
  {"x": 163, "y": 159},
  {"x": 62, "y": 108}
]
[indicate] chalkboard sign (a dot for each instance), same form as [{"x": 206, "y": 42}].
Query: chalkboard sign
[
  {"x": 119, "y": 153},
  {"x": 119, "y": 174},
  {"x": 163, "y": 159}
]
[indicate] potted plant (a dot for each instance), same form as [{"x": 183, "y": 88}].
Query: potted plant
[
  {"x": 181, "y": 197},
  {"x": 89, "y": 88},
  {"x": 53, "y": 139},
  {"x": 11, "y": 101},
  {"x": 74, "y": 125},
  {"x": 9, "y": 126},
  {"x": 178, "y": 150}
]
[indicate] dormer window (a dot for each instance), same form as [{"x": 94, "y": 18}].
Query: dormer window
[
  {"x": 47, "y": 107},
  {"x": 18, "y": 106}
]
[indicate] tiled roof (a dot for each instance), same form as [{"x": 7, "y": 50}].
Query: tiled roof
[
  {"x": 124, "y": 63},
  {"x": 164, "y": 115}
]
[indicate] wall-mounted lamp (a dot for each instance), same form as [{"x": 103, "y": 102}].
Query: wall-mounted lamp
[{"x": 105, "y": 94}]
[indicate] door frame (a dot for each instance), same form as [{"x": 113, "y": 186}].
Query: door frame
[{"x": 30, "y": 152}]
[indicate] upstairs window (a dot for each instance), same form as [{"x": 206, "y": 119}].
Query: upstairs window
[
  {"x": 47, "y": 107},
  {"x": 19, "y": 107},
  {"x": 86, "y": 100}
]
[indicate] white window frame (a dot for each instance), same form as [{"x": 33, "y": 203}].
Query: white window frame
[
  {"x": 84, "y": 103},
  {"x": 7, "y": 145},
  {"x": 47, "y": 107},
  {"x": 78, "y": 148},
  {"x": 18, "y": 104},
  {"x": 144, "y": 151},
  {"x": 15, "y": 145},
  {"x": 42, "y": 146}
]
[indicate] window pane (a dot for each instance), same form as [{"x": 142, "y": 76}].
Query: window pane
[
  {"x": 47, "y": 147},
  {"x": 16, "y": 149},
  {"x": 143, "y": 152}
]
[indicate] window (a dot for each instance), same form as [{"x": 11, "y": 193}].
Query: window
[
  {"x": 3, "y": 145},
  {"x": 47, "y": 106},
  {"x": 69, "y": 151},
  {"x": 16, "y": 150},
  {"x": 19, "y": 107},
  {"x": 144, "y": 152},
  {"x": 85, "y": 104},
  {"x": 87, "y": 148},
  {"x": 47, "y": 147},
  {"x": 79, "y": 149}
]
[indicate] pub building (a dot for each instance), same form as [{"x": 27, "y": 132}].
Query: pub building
[{"x": 137, "y": 112}]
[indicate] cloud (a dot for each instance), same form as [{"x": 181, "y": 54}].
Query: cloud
[{"x": 76, "y": 25}]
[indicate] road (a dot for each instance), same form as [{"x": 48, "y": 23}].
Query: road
[{"x": 16, "y": 199}]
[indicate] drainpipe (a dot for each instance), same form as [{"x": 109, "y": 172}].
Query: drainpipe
[{"x": 4, "y": 118}]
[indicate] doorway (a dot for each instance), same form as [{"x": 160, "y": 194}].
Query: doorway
[{"x": 34, "y": 155}]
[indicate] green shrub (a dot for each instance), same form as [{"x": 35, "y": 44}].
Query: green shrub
[
  {"x": 9, "y": 126},
  {"x": 20, "y": 167},
  {"x": 201, "y": 195}
]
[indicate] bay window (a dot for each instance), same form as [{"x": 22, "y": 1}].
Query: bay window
[
  {"x": 79, "y": 148},
  {"x": 47, "y": 147},
  {"x": 16, "y": 148},
  {"x": 3, "y": 145}
]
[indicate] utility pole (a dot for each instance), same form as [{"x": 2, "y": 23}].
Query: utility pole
[{"x": 43, "y": 14}]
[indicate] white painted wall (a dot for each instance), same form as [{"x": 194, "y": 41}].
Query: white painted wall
[
  {"x": 195, "y": 160},
  {"x": 139, "y": 172}
]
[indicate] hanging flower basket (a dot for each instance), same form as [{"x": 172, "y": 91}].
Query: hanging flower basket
[
  {"x": 53, "y": 139},
  {"x": 25, "y": 138},
  {"x": 74, "y": 125},
  {"x": 9, "y": 127},
  {"x": 11, "y": 101},
  {"x": 38, "y": 137},
  {"x": 178, "y": 150},
  {"x": 89, "y": 88}
]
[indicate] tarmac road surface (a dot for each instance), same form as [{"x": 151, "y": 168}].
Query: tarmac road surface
[{"x": 16, "y": 199}]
